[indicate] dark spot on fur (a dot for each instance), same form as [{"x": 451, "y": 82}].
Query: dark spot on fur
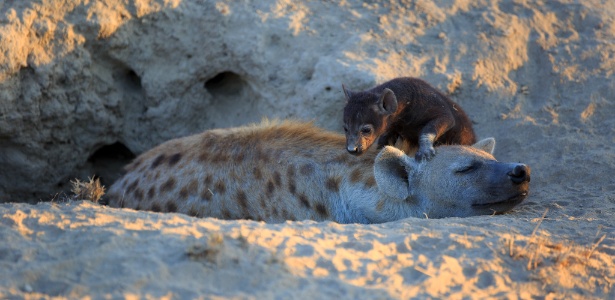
[
  {"x": 208, "y": 180},
  {"x": 263, "y": 203},
  {"x": 138, "y": 194},
  {"x": 220, "y": 187},
  {"x": 226, "y": 214},
  {"x": 277, "y": 178},
  {"x": 290, "y": 172},
  {"x": 193, "y": 212},
  {"x": 206, "y": 194},
  {"x": 274, "y": 211},
  {"x": 270, "y": 188},
  {"x": 370, "y": 182},
  {"x": 291, "y": 186},
  {"x": 151, "y": 193},
  {"x": 321, "y": 209},
  {"x": 257, "y": 173},
  {"x": 221, "y": 158},
  {"x": 189, "y": 189},
  {"x": 184, "y": 192},
  {"x": 285, "y": 214},
  {"x": 306, "y": 170},
  {"x": 203, "y": 157},
  {"x": 262, "y": 156},
  {"x": 174, "y": 159},
  {"x": 333, "y": 183},
  {"x": 304, "y": 201},
  {"x": 380, "y": 205},
  {"x": 168, "y": 186},
  {"x": 239, "y": 156},
  {"x": 355, "y": 175},
  {"x": 171, "y": 206},
  {"x": 132, "y": 186},
  {"x": 155, "y": 207},
  {"x": 242, "y": 199},
  {"x": 159, "y": 159}
]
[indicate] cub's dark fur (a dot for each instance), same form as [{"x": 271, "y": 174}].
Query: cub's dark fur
[{"x": 406, "y": 108}]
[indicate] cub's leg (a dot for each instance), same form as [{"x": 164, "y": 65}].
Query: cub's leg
[{"x": 433, "y": 130}]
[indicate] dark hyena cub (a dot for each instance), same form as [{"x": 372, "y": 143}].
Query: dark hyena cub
[{"x": 406, "y": 108}]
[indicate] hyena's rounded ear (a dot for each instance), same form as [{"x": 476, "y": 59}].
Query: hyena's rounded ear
[
  {"x": 347, "y": 92},
  {"x": 391, "y": 171},
  {"x": 487, "y": 145},
  {"x": 387, "y": 102}
]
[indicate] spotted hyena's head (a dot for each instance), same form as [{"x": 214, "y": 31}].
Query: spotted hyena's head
[
  {"x": 365, "y": 116},
  {"x": 460, "y": 181}
]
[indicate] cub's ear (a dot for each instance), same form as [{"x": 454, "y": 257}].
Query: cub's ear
[
  {"x": 391, "y": 171},
  {"x": 347, "y": 93},
  {"x": 387, "y": 102},
  {"x": 487, "y": 145}
]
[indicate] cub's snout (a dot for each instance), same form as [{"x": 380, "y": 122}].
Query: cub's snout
[
  {"x": 353, "y": 149},
  {"x": 520, "y": 174}
]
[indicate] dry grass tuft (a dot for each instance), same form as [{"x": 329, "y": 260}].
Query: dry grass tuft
[
  {"x": 557, "y": 262},
  {"x": 207, "y": 249},
  {"x": 91, "y": 190}
]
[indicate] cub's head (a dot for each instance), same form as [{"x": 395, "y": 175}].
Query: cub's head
[
  {"x": 365, "y": 116},
  {"x": 460, "y": 181}
]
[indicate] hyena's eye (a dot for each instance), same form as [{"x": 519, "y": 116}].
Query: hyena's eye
[
  {"x": 366, "y": 129},
  {"x": 469, "y": 168},
  {"x": 345, "y": 128}
]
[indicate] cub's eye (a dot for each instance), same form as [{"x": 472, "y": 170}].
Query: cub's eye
[
  {"x": 468, "y": 169},
  {"x": 366, "y": 130}
]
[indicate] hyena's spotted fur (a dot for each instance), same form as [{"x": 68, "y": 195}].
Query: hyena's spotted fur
[{"x": 276, "y": 171}]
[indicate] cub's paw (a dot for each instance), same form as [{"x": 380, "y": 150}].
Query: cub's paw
[{"x": 424, "y": 153}]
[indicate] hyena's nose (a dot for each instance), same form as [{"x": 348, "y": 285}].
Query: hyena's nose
[
  {"x": 520, "y": 174},
  {"x": 354, "y": 150}
]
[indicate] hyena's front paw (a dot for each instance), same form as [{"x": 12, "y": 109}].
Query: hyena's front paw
[{"x": 425, "y": 153}]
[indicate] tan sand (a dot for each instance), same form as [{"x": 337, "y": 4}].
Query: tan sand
[{"x": 81, "y": 249}]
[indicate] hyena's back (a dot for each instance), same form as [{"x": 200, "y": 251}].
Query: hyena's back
[{"x": 274, "y": 171}]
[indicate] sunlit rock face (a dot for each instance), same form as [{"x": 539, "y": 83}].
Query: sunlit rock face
[{"x": 87, "y": 85}]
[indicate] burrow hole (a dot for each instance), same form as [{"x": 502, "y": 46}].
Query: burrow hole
[
  {"x": 225, "y": 84},
  {"x": 130, "y": 80},
  {"x": 107, "y": 163}
]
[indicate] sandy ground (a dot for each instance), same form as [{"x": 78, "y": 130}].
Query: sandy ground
[
  {"x": 541, "y": 82},
  {"x": 81, "y": 249}
]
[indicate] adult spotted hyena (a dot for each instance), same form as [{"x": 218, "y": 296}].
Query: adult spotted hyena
[{"x": 277, "y": 171}]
